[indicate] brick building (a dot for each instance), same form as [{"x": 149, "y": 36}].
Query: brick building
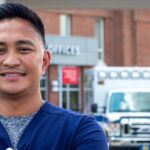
[{"x": 122, "y": 39}]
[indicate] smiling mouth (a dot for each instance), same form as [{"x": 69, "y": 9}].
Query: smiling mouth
[{"x": 12, "y": 75}]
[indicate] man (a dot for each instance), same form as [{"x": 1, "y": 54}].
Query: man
[{"x": 26, "y": 121}]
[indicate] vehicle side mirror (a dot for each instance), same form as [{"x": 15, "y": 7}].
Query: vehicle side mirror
[
  {"x": 104, "y": 109},
  {"x": 94, "y": 108}
]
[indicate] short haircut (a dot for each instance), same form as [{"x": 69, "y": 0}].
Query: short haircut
[{"x": 17, "y": 10}]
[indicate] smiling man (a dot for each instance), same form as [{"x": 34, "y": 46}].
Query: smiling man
[{"x": 26, "y": 121}]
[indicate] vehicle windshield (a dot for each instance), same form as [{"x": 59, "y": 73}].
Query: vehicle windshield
[{"x": 130, "y": 102}]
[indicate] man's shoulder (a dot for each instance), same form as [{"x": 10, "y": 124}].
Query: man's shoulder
[
  {"x": 80, "y": 129},
  {"x": 59, "y": 113},
  {"x": 56, "y": 110}
]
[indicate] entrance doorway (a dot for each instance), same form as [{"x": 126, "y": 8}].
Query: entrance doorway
[{"x": 69, "y": 90}]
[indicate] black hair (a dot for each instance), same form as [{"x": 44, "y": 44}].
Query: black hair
[{"x": 17, "y": 10}]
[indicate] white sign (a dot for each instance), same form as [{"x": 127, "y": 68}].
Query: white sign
[{"x": 69, "y": 50}]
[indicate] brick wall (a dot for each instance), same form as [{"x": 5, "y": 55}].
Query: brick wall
[
  {"x": 50, "y": 20},
  {"x": 83, "y": 26},
  {"x": 142, "y": 19},
  {"x": 126, "y": 32}
]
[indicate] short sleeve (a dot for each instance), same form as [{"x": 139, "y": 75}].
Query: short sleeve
[{"x": 90, "y": 136}]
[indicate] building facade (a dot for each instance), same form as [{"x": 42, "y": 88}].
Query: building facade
[{"x": 79, "y": 39}]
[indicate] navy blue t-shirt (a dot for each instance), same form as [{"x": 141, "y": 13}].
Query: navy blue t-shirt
[{"x": 54, "y": 128}]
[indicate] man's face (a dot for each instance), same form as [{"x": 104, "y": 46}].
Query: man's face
[{"x": 22, "y": 57}]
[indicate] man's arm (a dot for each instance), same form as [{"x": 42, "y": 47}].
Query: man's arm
[{"x": 90, "y": 136}]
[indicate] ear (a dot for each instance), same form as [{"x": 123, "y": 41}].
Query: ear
[{"x": 46, "y": 61}]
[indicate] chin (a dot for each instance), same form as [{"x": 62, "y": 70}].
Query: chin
[{"x": 12, "y": 91}]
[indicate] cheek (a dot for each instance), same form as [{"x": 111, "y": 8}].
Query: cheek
[{"x": 34, "y": 63}]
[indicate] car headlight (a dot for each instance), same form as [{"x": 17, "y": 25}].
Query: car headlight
[{"x": 112, "y": 129}]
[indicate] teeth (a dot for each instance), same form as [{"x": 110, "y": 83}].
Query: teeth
[{"x": 11, "y": 75}]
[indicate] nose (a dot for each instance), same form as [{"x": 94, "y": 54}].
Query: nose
[{"x": 11, "y": 60}]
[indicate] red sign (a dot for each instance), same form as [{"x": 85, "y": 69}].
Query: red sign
[{"x": 70, "y": 75}]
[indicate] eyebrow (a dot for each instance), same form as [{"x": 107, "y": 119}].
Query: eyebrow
[
  {"x": 24, "y": 42},
  {"x": 19, "y": 42}
]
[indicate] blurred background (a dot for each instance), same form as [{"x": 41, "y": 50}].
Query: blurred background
[
  {"x": 100, "y": 64},
  {"x": 80, "y": 35}
]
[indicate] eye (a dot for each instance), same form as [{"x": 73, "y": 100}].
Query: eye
[
  {"x": 2, "y": 50},
  {"x": 24, "y": 50}
]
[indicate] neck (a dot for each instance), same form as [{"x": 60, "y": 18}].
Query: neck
[{"x": 20, "y": 106}]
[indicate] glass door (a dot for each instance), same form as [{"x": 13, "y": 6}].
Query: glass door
[{"x": 69, "y": 94}]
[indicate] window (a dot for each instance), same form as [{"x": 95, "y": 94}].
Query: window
[
  {"x": 130, "y": 102},
  {"x": 69, "y": 95},
  {"x": 65, "y": 25},
  {"x": 99, "y": 33}
]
